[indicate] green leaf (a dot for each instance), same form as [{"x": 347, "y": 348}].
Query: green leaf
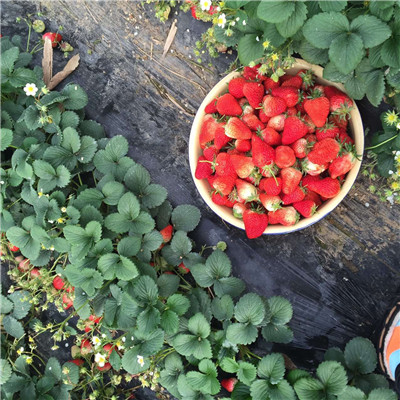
[
  {"x": 232, "y": 286},
  {"x": 281, "y": 310},
  {"x": 275, "y": 11},
  {"x": 199, "y": 326},
  {"x": 8, "y": 59},
  {"x": 5, "y": 371},
  {"x": 77, "y": 97},
  {"x": 137, "y": 178},
  {"x": 351, "y": 393},
  {"x": 87, "y": 150},
  {"x": 335, "y": 354},
  {"x": 390, "y": 51},
  {"x": 393, "y": 78},
  {"x": 313, "y": 54},
  {"x": 72, "y": 376},
  {"x": 6, "y": 138},
  {"x": 115, "y": 266},
  {"x": 272, "y": 368},
  {"x": 153, "y": 196},
  {"x": 260, "y": 390},
  {"x": 309, "y": 389},
  {"x": 21, "y": 76},
  {"x": 332, "y": 5},
  {"x": 92, "y": 129},
  {"x": 113, "y": 191},
  {"x": 205, "y": 383},
  {"x": 117, "y": 223},
  {"x": 202, "y": 275},
  {"x": 382, "y": 394},
  {"x": 130, "y": 361},
  {"x": 282, "y": 391},
  {"x": 222, "y": 308},
  {"x": 88, "y": 279},
  {"x": 149, "y": 319},
  {"x": 229, "y": 365},
  {"x": 346, "y": 52},
  {"x": 360, "y": 355},
  {"x": 185, "y": 218},
  {"x": 81, "y": 304},
  {"x": 6, "y": 305},
  {"x": 169, "y": 322},
  {"x": 219, "y": 34},
  {"x": 21, "y": 299},
  {"x": 355, "y": 87},
  {"x": 168, "y": 284},
  {"x": 53, "y": 369},
  {"x": 129, "y": 246},
  {"x": 296, "y": 374},
  {"x": 188, "y": 345},
  {"x": 63, "y": 176},
  {"x": 250, "y": 309},
  {"x": 371, "y": 29},
  {"x": 144, "y": 223},
  {"x": 374, "y": 81},
  {"x": 250, "y": 49},
  {"x": 290, "y": 26},
  {"x": 385, "y": 164},
  {"x": 178, "y": 303},
  {"x": 331, "y": 73},
  {"x": 241, "y": 334},
  {"x": 241, "y": 392},
  {"x": 69, "y": 119},
  {"x": 277, "y": 333},
  {"x": 333, "y": 376},
  {"x": 370, "y": 382},
  {"x": 115, "y": 360},
  {"x": 44, "y": 170},
  {"x": 71, "y": 140},
  {"x": 322, "y": 29},
  {"x": 219, "y": 264},
  {"x": 145, "y": 290},
  {"x": 181, "y": 244},
  {"x": 247, "y": 372}
]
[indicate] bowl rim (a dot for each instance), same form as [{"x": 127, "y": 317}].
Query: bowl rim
[{"x": 357, "y": 132}]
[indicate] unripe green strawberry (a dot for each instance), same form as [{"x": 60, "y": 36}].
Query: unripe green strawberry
[{"x": 38, "y": 26}]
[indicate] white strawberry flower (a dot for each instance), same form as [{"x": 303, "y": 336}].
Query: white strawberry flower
[
  {"x": 222, "y": 21},
  {"x": 140, "y": 360},
  {"x": 100, "y": 359},
  {"x": 30, "y": 89},
  {"x": 205, "y": 5},
  {"x": 96, "y": 341}
]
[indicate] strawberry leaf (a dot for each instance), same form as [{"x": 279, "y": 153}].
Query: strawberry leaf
[
  {"x": 371, "y": 29},
  {"x": 185, "y": 218},
  {"x": 178, "y": 303},
  {"x": 229, "y": 365},
  {"x": 281, "y": 310},
  {"x": 5, "y": 371},
  {"x": 309, "y": 389},
  {"x": 21, "y": 302},
  {"x": 6, "y": 138},
  {"x": 382, "y": 394},
  {"x": 336, "y": 5},
  {"x": 360, "y": 355},
  {"x": 277, "y": 333},
  {"x": 250, "y": 309},
  {"x": 291, "y": 25},
  {"x": 76, "y": 97},
  {"x": 91, "y": 128},
  {"x": 222, "y": 308},
  {"x": 249, "y": 48},
  {"x": 241, "y": 333},
  {"x": 246, "y": 373},
  {"x": 167, "y": 284},
  {"x": 275, "y": 11},
  {"x": 272, "y": 368},
  {"x": 333, "y": 376}
]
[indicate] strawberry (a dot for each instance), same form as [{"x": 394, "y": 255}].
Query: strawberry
[
  {"x": 251, "y": 73},
  {"x": 300, "y": 148},
  {"x": 24, "y": 265},
  {"x": 277, "y": 122},
  {"x": 307, "y": 77},
  {"x": 313, "y": 169},
  {"x": 271, "y": 186},
  {"x": 166, "y": 233},
  {"x": 13, "y": 248},
  {"x": 223, "y": 165},
  {"x": 290, "y": 94},
  {"x": 211, "y": 107},
  {"x": 344, "y": 138},
  {"x": 270, "y": 203},
  {"x": 58, "y": 283},
  {"x": 246, "y": 190},
  {"x": 243, "y": 165},
  {"x": 324, "y": 151},
  {"x": 229, "y": 384},
  {"x": 294, "y": 81},
  {"x": 238, "y": 210},
  {"x": 108, "y": 349},
  {"x": 203, "y": 168},
  {"x": 54, "y": 37},
  {"x": 252, "y": 122},
  {"x": 341, "y": 121},
  {"x": 296, "y": 195},
  {"x": 94, "y": 319},
  {"x": 220, "y": 138},
  {"x": 311, "y": 138},
  {"x": 224, "y": 184},
  {"x": 331, "y": 91},
  {"x": 306, "y": 208},
  {"x": 236, "y": 129},
  {"x": 255, "y": 223},
  {"x": 218, "y": 198},
  {"x": 327, "y": 131},
  {"x": 210, "y": 153},
  {"x": 183, "y": 269},
  {"x": 105, "y": 367},
  {"x": 246, "y": 107},
  {"x": 291, "y": 178},
  {"x": 270, "y": 84},
  {"x": 262, "y": 153},
  {"x": 341, "y": 165},
  {"x": 310, "y": 195},
  {"x": 291, "y": 111},
  {"x": 341, "y": 104},
  {"x": 228, "y": 105},
  {"x": 77, "y": 361},
  {"x": 284, "y": 156},
  {"x": 193, "y": 11},
  {"x": 35, "y": 273},
  {"x": 309, "y": 178},
  {"x": 207, "y": 131},
  {"x": 271, "y": 136},
  {"x": 318, "y": 110},
  {"x": 235, "y": 87},
  {"x": 243, "y": 145},
  {"x": 254, "y": 93},
  {"x": 263, "y": 118},
  {"x": 273, "y": 106},
  {"x": 326, "y": 187},
  {"x": 294, "y": 129},
  {"x": 67, "y": 301},
  {"x": 286, "y": 216}
]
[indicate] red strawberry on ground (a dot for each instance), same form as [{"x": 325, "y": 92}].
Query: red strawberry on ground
[
  {"x": 211, "y": 107},
  {"x": 55, "y": 38},
  {"x": 223, "y": 165},
  {"x": 262, "y": 153},
  {"x": 277, "y": 122},
  {"x": 243, "y": 165},
  {"x": 203, "y": 168},
  {"x": 235, "y": 87},
  {"x": 246, "y": 190},
  {"x": 291, "y": 178},
  {"x": 289, "y": 94},
  {"x": 327, "y": 131},
  {"x": 224, "y": 184},
  {"x": 237, "y": 129},
  {"x": 341, "y": 165},
  {"x": 166, "y": 233},
  {"x": 306, "y": 208},
  {"x": 286, "y": 216},
  {"x": 326, "y": 187},
  {"x": 270, "y": 203},
  {"x": 284, "y": 156},
  {"x": 271, "y": 186},
  {"x": 294, "y": 129},
  {"x": 58, "y": 283},
  {"x": 228, "y": 105},
  {"x": 238, "y": 210},
  {"x": 271, "y": 136},
  {"x": 183, "y": 269},
  {"x": 318, "y": 110},
  {"x": 254, "y": 93},
  {"x": 229, "y": 384},
  {"x": 252, "y": 122},
  {"x": 13, "y": 248},
  {"x": 324, "y": 151},
  {"x": 243, "y": 145},
  {"x": 300, "y": 148},
  {"x": 295, "y": 196},
  {"x": 255, "y": 223},
  {"x": 273, "y": 106}
]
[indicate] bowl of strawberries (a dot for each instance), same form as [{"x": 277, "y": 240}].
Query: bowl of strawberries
[{"x": 275, "y": 157}]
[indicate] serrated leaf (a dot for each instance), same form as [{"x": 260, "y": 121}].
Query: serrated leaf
[
  {"x": 241, "y": 334},
  {"x": 204, "y": 383},
  {"x": 231, "y": 286},
  {"x": 374, "y": 81},
  {"x": 250, "y": 309},
  {"x": 8, "y": 59},
  {"x": 178, "y": 303},
  {"x": 390, "y": 51},
  {"x": 181, "y": 244},
  {"x": 333, "y": 376},
  {"x": 53, "y": 369},
  {"x": 335, "y": 354},
  {"x": 153, "y": 196},
  {"x": 21, "y": 308},
  {"x": 168, "y": 284},
  {"x": 272, "y": 368},
  {"x": 296, "y": 374},
  {"x": 116, "y": 266},
  {"x": 351, "y": 393},
  {"x": 6, "y": 138},
  {"x": 113, "y": 191},
  {"x": 169, "y": 322},
  {"x": 81, "y": 304},
  {"x": 247, "y": 372},
  {"x": 333, "y": 5},
  {"x": 43, "y": 169},
  {"x": 277, "y": 333},
  {"x": 250, "y": 49},
  {"x": 229, "y": 365},
  {"x": 129, "y": 246},
  {"x": 77, "y": 97},
  {"x": 371, "y": 29},
  {"x": 346, "y": 51},
  {"x": 275, "y": 11},
  {"x": 185, "y": 217},
  {"x": 370, "y": 382},
  {"x": 360, "y": 355},
  {"x": 21, "y": 76},
  {"x": 309, "y": 389},
  {"x": 88, "y": 279},
  {"x": 188, "y": 345},
  {"x": 149, "y": 319},
  {"x": 281, "y": 310},
  {"x": 355, "y": 87},
  {"x": 137, "y": 178},
  {"x": 71, "y": 140},
  {"x": 259, "y": 390},
  {"x": 291, "y": 25},
  {"x": 145, "y": 290},
  {"x": 6, "y": 305},
  {"x": 87, "y": 150},
  {"x": 382, "y": 394},
  {"x": 199, "y": 326},
  {"x": 333, "y": 74},
  {"x": 69, "y": 119},
  {"x": 130, "y": 361},
  {"x": 222, "y": 308},
  {"x": 115, "y": 360},
  {"x": 5, "y": 371},
  {"x": 92, "y": 128}
]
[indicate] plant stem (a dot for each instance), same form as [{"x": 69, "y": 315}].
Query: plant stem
[{"x": 380, "y": 144}]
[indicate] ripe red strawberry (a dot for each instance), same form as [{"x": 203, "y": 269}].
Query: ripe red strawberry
[
  {"x": 294, "y": 129},
  {"x": 166, "y": 233},
  {"x": 294, "y": 81},
  {"x": 235, "y": 87},
  {"x": 254, "y": 93},
  {"x": 236, "y": 129},
  {"x": 252, "y": 122},
  {"x": 309, "y": 178},
  {"x": 317, "y": 109},
  {"x": 313, "y": 169},
  {"x": 307, "y": 77},
  {"x": 108, "y": 349},
  {"x": 218, "y": 198},
  {"x": 331, "y": 91},
  {"x": 341, "y": 165},
  {"x": 291, "y": 178},
  {"x": 94, "y": 319},
  {"x": 77, "y": 361},
  {"x": 106, "y": 367},
  {"x": 273, "y": 105},
  {"x": 319, "y": 90},
  {"x": 210, "y": 153},
  {"x": 340, "y": 121},
  {"x": 289, "y": 94},
  {"x": 341, "y": 104},
  {"x": 306, "y": 208},
  {"x": 263, "y": 118},
  {"x": 203, "y": 168},
  {"x": 35, "y": 273},
  {"x": 263, "y": 154},
  {"x": 286, "y": 216},
  {"x": 271, "y": 186},
  {"x": 326, "y": 187},
  {"x": 13, "y": 248},
  {"x": 246, "y": 107},
  {"x": 309, "y": 123},
  {"x": 24, "y": 265},
  {"x": 54, "y": 37},
  {"x": 193, "y": 11},
  {"x": 271, "y": 136},
  {"x": 228, "y": 105},
  {"x": 277, "y": 122},
  {"x": 211, "y": 107},
  {"x": 220, "y": 138},
  {"x": 324, "y": 151},
  {"x": 246, "y": 190},
  {"x": 238, "y": 210},
  {"x": 255, "y": 223},
  {"x": 223, "y": 165},
  {"x": 270, "y": 84},
  {"x": 344, "y": 138},
  {"x": 67, "y": 301},
  {"x": 58, "y": 283},
  {"x": 229, "y": 384},
  {"x": 243, "y": 165},
  {"x": 300, "y": 148},
  {"x": 270, "y": 203},
  {"x": 251, "y": 73},
  {"x": 207, "y": 131},
  {"x": 224, "y": 184},
  {"x": 297, "y": 195},
  {"x": 284, "y": 156},
  {"x": 311, "y": 138},
  {"x": 327, "y": 131},
  {"x": 183, "y": 269},
  {"x": 243, "y": 145},
  {"x": 291, "y": 111},
  {"x": 310, "y": 195}
]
